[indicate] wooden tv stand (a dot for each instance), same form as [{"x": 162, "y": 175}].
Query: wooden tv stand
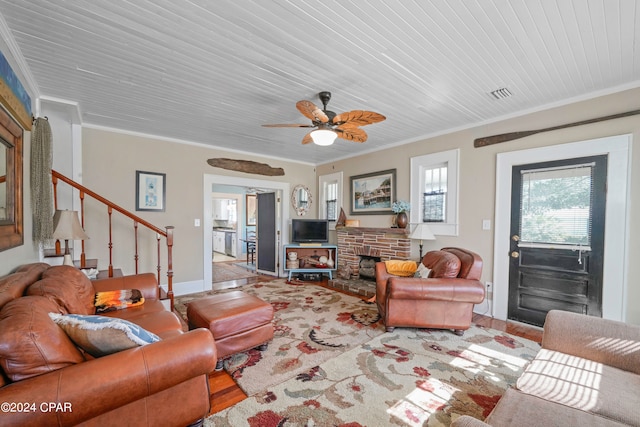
[{"x": 307, "y": 258}]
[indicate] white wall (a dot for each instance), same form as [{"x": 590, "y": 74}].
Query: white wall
[{"x": 110, "y": 161}]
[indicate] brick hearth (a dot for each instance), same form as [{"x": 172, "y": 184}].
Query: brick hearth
[{"x": 386, "y": 243}]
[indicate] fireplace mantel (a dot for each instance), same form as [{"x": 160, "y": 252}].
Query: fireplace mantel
[{"x": 389, "y": 230}]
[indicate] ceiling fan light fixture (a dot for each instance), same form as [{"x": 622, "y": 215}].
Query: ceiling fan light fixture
[{"x": 323, "y": 137}]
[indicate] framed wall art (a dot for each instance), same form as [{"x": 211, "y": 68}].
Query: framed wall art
[
  {"x": 150, "y": 191},
  {"x": 373, "y": 193},
  {"x": 251, "y": 207},
  {"x": 13, "y": 96}
]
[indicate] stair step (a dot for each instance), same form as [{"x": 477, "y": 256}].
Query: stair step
[
  {"x": 51, "y": 253},
  {"x": 89, "y": 263},
  {"x": 104, "y": 274}
]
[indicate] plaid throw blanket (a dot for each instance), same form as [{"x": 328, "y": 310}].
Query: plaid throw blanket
[{"x": 117, "y": 300}]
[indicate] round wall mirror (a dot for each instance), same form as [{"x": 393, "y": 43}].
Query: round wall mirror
[{"x": 301, "y": 199}]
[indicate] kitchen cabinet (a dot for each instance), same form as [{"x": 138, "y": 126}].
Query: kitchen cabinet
[
  {"x": 218, "y": 241},
  {"x": 221, "y": 209},
  {"x": 230, "y": 243},
  {"x": 224, "y": 242}
]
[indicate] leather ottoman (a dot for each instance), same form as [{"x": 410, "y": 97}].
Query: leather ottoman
[{"x": 237, "y": 321}]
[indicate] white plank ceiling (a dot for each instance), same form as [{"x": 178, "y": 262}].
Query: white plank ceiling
[{"x": 212, "y": 72}]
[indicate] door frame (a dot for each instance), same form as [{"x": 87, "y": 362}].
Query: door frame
[
  {"x": 616, "y": 240},
  {"x": 207, "y": 221}
]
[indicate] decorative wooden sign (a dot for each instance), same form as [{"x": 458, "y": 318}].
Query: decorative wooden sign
[
  {"x": 247, "y": 166},
  {"x": 496, "y": 139}
]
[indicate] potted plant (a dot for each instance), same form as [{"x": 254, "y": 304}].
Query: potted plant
[{"x": 400, "y": 208}]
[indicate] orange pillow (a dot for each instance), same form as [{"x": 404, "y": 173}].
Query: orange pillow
[{"x": 401, "y": 268}]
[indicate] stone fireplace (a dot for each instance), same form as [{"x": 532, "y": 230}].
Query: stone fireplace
[
  {"x": 356, "y": 243},
  {"x": 367, "y": 267}
]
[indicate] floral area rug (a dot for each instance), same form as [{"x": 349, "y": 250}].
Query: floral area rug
[
  {"x": 312, "y": 324},
  {"x": 409, "y": 377}
]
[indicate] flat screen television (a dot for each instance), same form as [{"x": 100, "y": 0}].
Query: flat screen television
[{"x": 309, "y": 230}]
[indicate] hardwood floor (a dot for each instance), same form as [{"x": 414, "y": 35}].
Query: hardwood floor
[{"x": 225, "y": 392}]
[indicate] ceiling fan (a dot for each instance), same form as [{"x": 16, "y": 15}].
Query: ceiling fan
[{"x": 331, "y": 125}]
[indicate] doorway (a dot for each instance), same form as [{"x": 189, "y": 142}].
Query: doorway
[
  {"x": 616, "y": 238},
  {"x": 226, "y": 223},
  {"x": 557, "y": 238},
  {"x": 282, "y": 188}
]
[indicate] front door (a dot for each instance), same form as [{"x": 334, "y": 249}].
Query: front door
[{"x": 557, "y": 238}]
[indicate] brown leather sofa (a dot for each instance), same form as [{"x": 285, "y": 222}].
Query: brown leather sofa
[
  {"x": 443, "y": 300},
  {"x": 47, "y": 380}
]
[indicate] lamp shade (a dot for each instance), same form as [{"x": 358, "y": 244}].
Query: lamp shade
[
  {"x": 66, "y": 226},
  {"x": 323, "y": 136},
  {"x": 422, "y": 232}
]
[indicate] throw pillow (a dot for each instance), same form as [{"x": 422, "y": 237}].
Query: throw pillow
[
  {"x": 117, "y": 300},
  {"x": 401, "y": 268},
  {"x": 422, "y": 271},
  {"x": 101, "y": 335}
]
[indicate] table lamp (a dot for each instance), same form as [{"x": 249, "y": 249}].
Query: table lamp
[
  {"x": 422, "y": 232},
  {"x": 67, "y": 227}
]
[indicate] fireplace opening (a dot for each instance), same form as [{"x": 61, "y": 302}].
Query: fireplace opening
[{"x": 367, "y": 267}]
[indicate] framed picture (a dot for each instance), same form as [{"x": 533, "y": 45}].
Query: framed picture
[
  {"x": 14, "y": 97},
  {"x": 251, "y": 209},
  {"x": 373, "y": 193},
  {"x": 150, "y": 191}
]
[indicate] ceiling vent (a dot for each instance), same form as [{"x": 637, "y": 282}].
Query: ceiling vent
[{"x": 501, "y": 93}]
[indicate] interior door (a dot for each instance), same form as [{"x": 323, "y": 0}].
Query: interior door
[
  {"x": 266, "y": 242},
  {"x": 557, "y": 238}
]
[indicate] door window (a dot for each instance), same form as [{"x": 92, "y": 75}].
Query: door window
[{"x": 555, "y": 205}]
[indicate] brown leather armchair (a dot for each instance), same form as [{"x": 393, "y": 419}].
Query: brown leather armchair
[{"x": 444, "y": 300}]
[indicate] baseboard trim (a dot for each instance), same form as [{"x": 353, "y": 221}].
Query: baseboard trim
[{"x": 185, "y": 288}]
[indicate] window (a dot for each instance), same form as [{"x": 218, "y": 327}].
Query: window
[
  {"x": 434, "y": 191},
  {"x": 434, "y": 206},
  {"x": 330, "y": 201}
]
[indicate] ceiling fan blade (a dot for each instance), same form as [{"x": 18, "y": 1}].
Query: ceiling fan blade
[
  {"x": 307, "y": 139},
  {"x": 358, "y": 118},
  {"x": 351, "y": 133},
  {"x": 286, "y": 125},
  {"x": 309, "y": 110}
]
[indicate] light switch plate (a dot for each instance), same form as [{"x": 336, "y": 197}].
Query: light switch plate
[
  {"x": 196, "y": 222},
  {"x": 486, "y": 224}
]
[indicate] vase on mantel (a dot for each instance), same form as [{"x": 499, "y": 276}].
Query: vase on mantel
[{"x": 402, "y": 220}]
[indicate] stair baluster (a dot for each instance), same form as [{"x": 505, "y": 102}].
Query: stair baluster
[
  {"x": 54, "y": 180},
  {"x": 135, "y": 256},
  {"x": 83, "y": 257},
  {"x": 169, "y": 236},
  {"x": 110, "y": 212},
  {"x": 167, "y": 233}
]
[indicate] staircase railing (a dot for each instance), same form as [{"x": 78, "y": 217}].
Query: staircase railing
[{"x": 167, "y": 234}]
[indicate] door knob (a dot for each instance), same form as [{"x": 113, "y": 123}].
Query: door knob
[
  {"x": 515, "y": 238},
  {"x": 515, "y": 254}
]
